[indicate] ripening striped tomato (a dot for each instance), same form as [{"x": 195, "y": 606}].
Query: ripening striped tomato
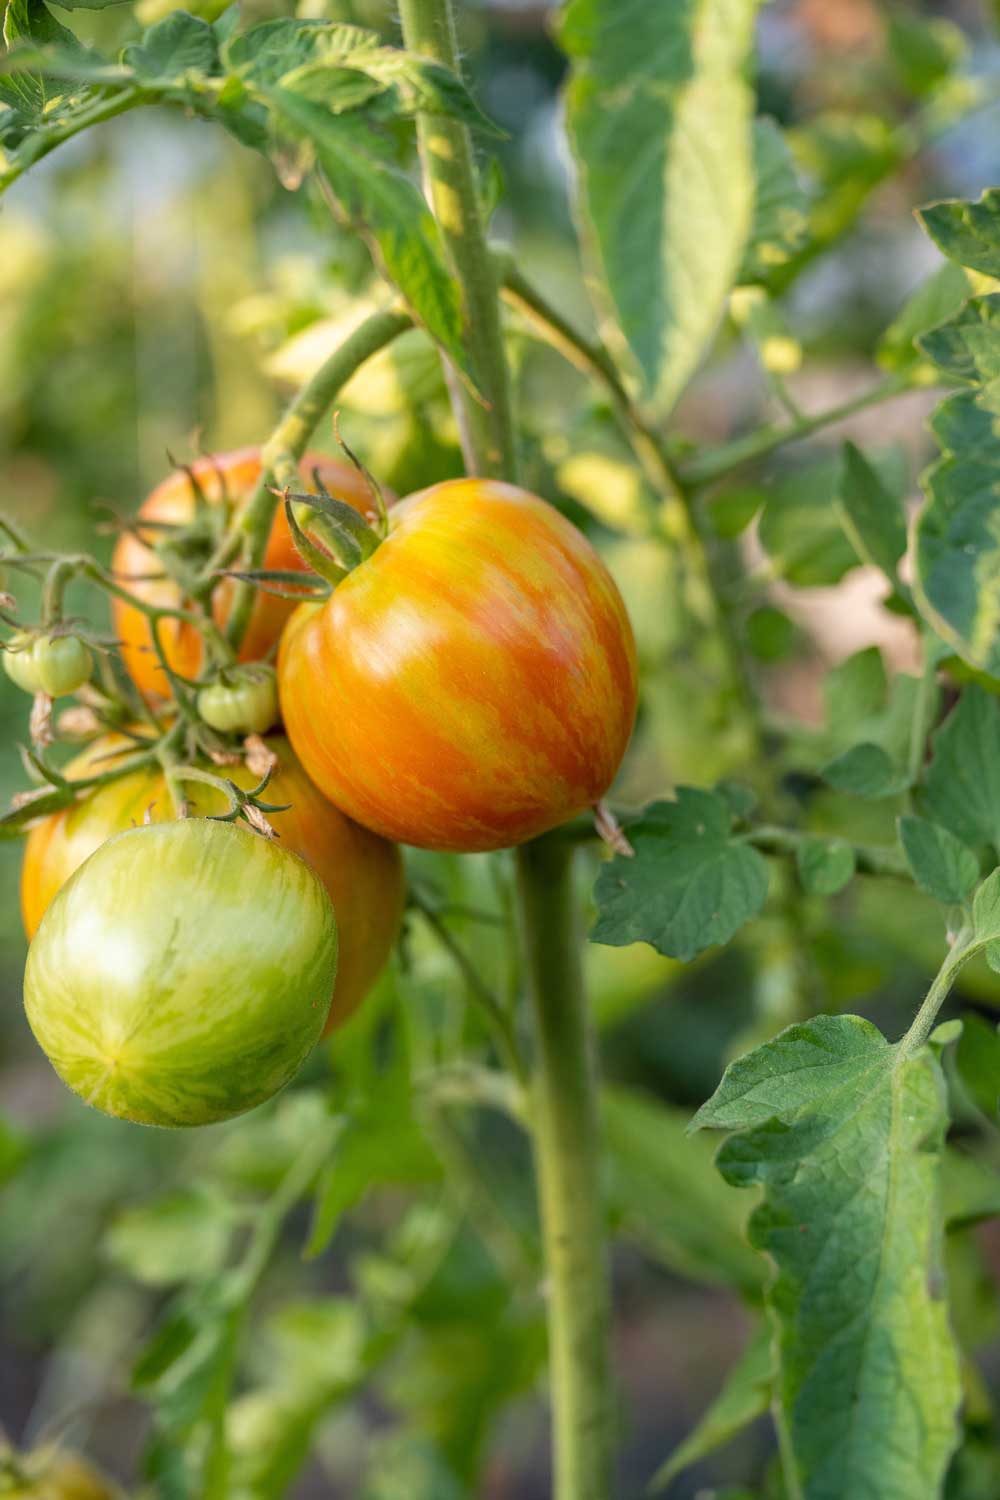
[
  {"x": 173, "y": 501},
  {"x": 470, "y": 685},
  {"x": 183, "y": 973},
  {"x": 363, "y": 874}
]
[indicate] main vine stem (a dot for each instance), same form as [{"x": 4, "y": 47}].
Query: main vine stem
[
  {"x": 567, "y": 1154},
  {"x": 562, "y": 1086},
  {"x": 486, "y": 418}
]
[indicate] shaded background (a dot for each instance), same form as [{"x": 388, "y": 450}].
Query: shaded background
[{"x": 160, "y": 291}]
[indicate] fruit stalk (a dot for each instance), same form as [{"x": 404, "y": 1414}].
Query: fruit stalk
[
  {"x": 567, "y": 1155},
  {"x": 289, "y": 441},
  {"x": 487, "y": 422}
]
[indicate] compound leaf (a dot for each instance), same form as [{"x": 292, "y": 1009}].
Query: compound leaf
[
  {"x": 659, "y": 111},
  {"x": 845, "y": 1133}
]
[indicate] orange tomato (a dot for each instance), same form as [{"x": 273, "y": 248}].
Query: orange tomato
[
  {"x": 174, "y": 501},
  {"x": 362, "y": 873},
  {"x": 470, "y": 685}
]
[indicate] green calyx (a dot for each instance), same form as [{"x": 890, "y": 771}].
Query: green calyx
[{"x": 347, "y": 538}]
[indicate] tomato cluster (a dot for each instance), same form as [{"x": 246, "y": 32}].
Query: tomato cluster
[{"x": 468, "y": 685}]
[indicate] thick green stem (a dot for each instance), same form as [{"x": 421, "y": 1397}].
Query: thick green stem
[
  {"x": 565, "y": 1134},
  {"x": 563, "y": 1114},
  {"x": 450, "y": 175},
  {"x": 287, "y": 444}
]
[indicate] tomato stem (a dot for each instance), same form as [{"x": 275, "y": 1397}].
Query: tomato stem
[
  {"x": 964, "y": 947},
  {"x": 562, "y": 1096},
  {"x": 288, "y": 442},
  {"x": 453, "y": 189}
]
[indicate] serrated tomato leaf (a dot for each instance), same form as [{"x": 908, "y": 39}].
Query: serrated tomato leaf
[
  {"x": 659, "y": 111},
  {"x": 967, "y": 346},
  {"x": 690, "y": 884},
  {"x": 872, "y": 516},
  {"x": 745, "y": 1396},
  {"x": 942, "y": 865},
  {"x": 962, "y": 783},
  {"x": 780, "y": 222},
  {"x": 844, "y": 1134},
  {"x": 968, "y": 233}
]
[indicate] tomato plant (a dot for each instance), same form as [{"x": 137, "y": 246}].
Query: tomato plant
[
  {"x": 655, "y": 1145},
  {"x": 486, "y": 650}
]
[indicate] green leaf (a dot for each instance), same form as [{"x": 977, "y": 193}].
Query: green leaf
[
  {"x": 971, "y": 1185},
  {"x": 942, "y": 865},
  {"x": 731, "y": 511},
  {"x": 405, "y": 83},
  {"x": 174, "y": 49},
  {"x": 962, "y": 789},
  {"x": 825, "y": 866},
  {"x": 986, "y": 909},
  {"x": 404, "y": 1464},
  {"x": 872, "y": 517},
  {"x": 388, "y": 208},
  {"x": 182, "y": 1237},
  {"x": 935, "y": 300},
  {"x": 665, "y": 1195},
  {"x": 267, "y": 52},
  {"x": 659, "y": 112},
  {"x": 383, "y": 1142},
  {"x": 865, "y": 770},
  {"x": 957, "y": 550},
  {"x": 770, "y": 634},
  {"x": 978, "y": 1059},
  {"x": 25, "y": 88},
  {"x": 923, "y": 50},
  {"x": 845, "y": 1134},
  {"x": 745, "y": 1396},
  {"x": 968, "y": 233},
  {"x": 855, "y": 692},
  {"x": 689, "y": 885},
  {"x": 967, "y": 346},
  {"x": 800, "y": 529},
  {"x": 780, "y": 221}
]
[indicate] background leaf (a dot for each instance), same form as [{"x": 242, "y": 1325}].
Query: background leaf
[
  {"x": 967, "y": 232},
  {"x": 745, "y": 1396},
  {"x": 962, "y": 786},
  {"x": 942, "y": 865},
  {"x": 666, "y": 220},
  {"x": 780, "y": 220}
]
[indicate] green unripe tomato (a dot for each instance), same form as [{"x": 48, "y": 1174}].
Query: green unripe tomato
[
  {"x": 184, "y": 973},
  {"x": 243, "y": 701},
  {"x": 53, "y": 664}
]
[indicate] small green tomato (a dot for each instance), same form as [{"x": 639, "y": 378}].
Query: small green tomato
[
  {"x": 53, "y": 664},
  {"x": 242, "y": 701},
  {"x": 183, "y": 973}
]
